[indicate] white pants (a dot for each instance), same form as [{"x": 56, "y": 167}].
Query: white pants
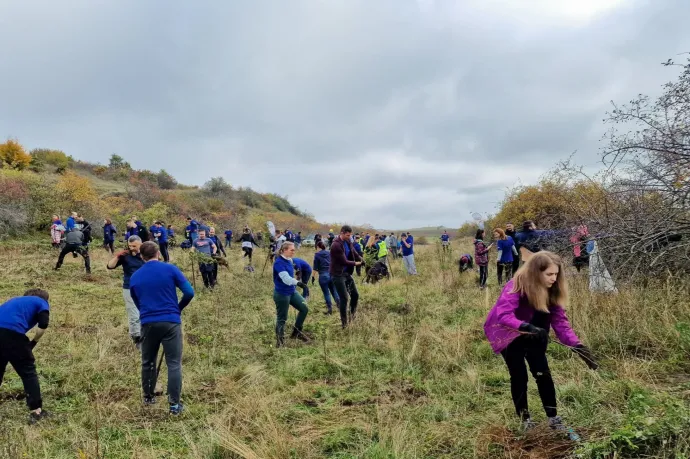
[
  {"x": 408, "y": 260},
  {"x": 132, "y": 314}
]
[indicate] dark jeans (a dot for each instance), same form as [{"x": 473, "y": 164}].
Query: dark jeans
[
  {"x": 248, "y": 253},
  {"x": 483, "y": 274},
  {"x": 170, "y": 336},
  {"x": 343, "y": 285},
  {"x": 15, "y": 349},
  {"x": 109, "y": 246},
  {"x": 75, "y": 248},
  {"x": 305, "y": 290},
  {"x": 508, "y": 268},
  {"x": 228, "y": 243},
  {"x": 526, "y": 348},
  {"x": 283, "y": 303},
  {"x": 163, "y": 246},
  {"x": 328, "y": 289},
  {"x": 206, "y": 270}
]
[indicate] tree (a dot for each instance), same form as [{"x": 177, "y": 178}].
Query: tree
[
  {"x": 118, "y": 162},
  {"x": 56, "y": 158},
  {"x": 216, "y": 185},
  {"x": 77, "y": 191},
  {"x": 165, "y": 180},
  {"x": 13, "y": 155}
]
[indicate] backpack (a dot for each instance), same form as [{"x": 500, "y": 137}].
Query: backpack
[{"x": 144, "y": 233}]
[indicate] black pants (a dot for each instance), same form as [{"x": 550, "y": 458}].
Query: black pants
[
  {"x": 248, "y": 253},
  {"x": 109, "y": 246},
  {"x": 206, "y": 270},
  {"x": 347, "y": 290},
  {"x": 526, "y": 348},
  {"x": 483, "y": 274},
  {"x": 516, "y": 263},
  {"x": 15, "y": 349},
  {"x": 358, "y": 270},
  {"x": 508, "y": 268},
  {"x": 164, "y": 251},
  {"x": 75, "y": 248},
  {"x": 170, "y": 336}
]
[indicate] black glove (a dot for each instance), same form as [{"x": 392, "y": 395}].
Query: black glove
[
  {"x": 535, "y": 332},
  {"x": 301, "y": 284},
  {"x": 33, "y": 343},
  {"x": 585, "y": 354}
]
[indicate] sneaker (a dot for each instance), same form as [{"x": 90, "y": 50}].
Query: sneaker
[
  {"x": 556, "y": 423},
  {"x": 176, "y": 409},
  {"x": 149, "y": 401},
  {"x": 35, "y": 417}
]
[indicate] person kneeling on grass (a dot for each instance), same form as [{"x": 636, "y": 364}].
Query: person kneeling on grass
[
  {"x": 285, "y": 294},
  {"x": 153, "y": 288},
  {"x": 17, "y": 317},
  {"x": 518, "y": 328}
]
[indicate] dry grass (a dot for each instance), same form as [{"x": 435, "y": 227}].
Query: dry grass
[{"x": 413, "y": 378}]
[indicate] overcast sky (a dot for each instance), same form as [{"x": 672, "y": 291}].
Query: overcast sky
[{"x": 397, "y": 113}]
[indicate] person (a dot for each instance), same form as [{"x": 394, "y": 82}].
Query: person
[
  {"x": 216, "y": 240},
  {"x": 280, "y": 240},
  {"x": 131, "y": 261},
  {"x": 160, "y": 236},
  {"x": 152, "y": 232},
  {"x": 85, "y": 227},
  {"x": 344, "y": 257},
  {"x": 192, "y": 229},
  {"x": 154, "y": 292},
  {"x": 57, "y": 230},
  {"x": 298, "y": 240},
  {"x": 131, "y": 230},
  {"x": 322, "y": 264},
  {"x": 17, "y": 317},
  {"x": 466, "y": 262},
  {"x": 207, "y": 247},
  {"x": 481, "y": 257},
  {"x": 517, "y": 327},
  {"x": 141, "y": 229},
  {"x": 357, "y": 244},
  {"x": 247, "y": 242},
  {"x": 317, "y": 238},
  {"x": 289, "y": 236},
  {"x": 303, "y": 273},
  {"x": 510, "y": 231},
  {"x": 171, "y": 233},
  {"x": 532, "y": 239},
  {"x": 109, "y": 233},
  {"x": 445, "y": 241},
  {"x": 285, "y": 295},
  {"x": 580, "y": 254},
  {"x": 331, "y": 238},
  {"x": 228, "y": 238},
  {"x": 505, "y": 252},
  {"x": 205, "y": 227},
  {"x": 71, "y": 222},
  {"x": 383, "y": 249},
  {"x": 75, "y": 245},
  {"x": 408, "y": 253},
  {"x": 392, "y": 245},
  {"x": 370, "y": 255}
]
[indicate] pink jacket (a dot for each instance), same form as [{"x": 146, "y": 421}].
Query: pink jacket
[{"x": 511, "y": 310}]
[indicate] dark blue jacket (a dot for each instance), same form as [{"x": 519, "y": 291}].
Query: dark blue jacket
[
  {"x": 304, "y": 267},
  {"x": 154, "y": 291},
  {"x": 109, "y": 233},
  {"x": 281, "y": 264},
  {"x": 322, "y": 262}
]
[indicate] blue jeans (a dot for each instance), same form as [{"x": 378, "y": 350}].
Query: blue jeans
[{"x": 328, "y": 289}]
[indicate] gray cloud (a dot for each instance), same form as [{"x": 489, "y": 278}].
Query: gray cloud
[{"x": 398, "y": 113}]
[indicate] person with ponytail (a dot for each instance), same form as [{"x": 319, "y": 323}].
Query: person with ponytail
[{"x": 517, "y": 327}]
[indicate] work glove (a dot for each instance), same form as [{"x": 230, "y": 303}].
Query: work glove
[
  {"x": 301, "y": 284},
  {"x": 33, "y": 343},
  {"x": 536, "y": 333},
  {"x": 586, "y": 355}
]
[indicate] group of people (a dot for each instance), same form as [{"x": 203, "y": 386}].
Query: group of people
[
  {"x": 517, "y": 327},
  {"x": 77, "y": 236}
]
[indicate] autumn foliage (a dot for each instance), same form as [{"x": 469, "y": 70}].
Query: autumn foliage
[{"x": 13, "y": 155}]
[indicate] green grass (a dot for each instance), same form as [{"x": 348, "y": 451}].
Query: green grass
[{"x": 413, "y": 378}]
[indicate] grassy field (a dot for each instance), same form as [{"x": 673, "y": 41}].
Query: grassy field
[{"x": 413, "y": 378}]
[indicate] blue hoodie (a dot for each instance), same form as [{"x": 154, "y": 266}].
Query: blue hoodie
[
  {"x": 154, "y": 291},
  {"x": 108, "y": 233},
  {"x": 281, "y": 264},
  {"x": 69, "y": 226},
  {"x": 322, "y": 262},
  {"x": 304, "y": 268}
]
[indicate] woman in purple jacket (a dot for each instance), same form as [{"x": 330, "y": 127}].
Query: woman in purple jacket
[{"x": 518, "y": 328}]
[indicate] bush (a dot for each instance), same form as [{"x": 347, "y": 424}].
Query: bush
[
  {"x": 56, "y": 158},
  {"x": 13, "y": 220},
  {"x": 13, "y": 155}
]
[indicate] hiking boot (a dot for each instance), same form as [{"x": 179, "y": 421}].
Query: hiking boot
[
  {"x": 556, "y": 423},
  {"x": 35, "y": 417},
  {"x": 176, "y": 410},
  {"x": 298, "y": 334},
  {"x": 149, "y": 401}
]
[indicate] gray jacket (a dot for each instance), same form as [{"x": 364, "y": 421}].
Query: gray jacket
[{"x": 74, "y": 237}]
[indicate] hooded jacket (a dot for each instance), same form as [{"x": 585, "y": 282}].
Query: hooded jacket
[{"x": 481, "y": 253}]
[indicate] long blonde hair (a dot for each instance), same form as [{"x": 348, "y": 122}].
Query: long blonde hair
[{"x": 528, "y": 282}]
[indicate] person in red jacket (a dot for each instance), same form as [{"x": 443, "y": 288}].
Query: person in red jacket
[{"x": 344, "y": 259}]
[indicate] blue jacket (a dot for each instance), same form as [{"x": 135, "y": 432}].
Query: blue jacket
[
  {"x": 20, "y": 314},
  {"x": 109, "y": 233},
  {"x": 154, "y": 291},
  {"x": 69, "y": 225},
  {"x": 408, "y": 250},
  {"x": 322, "y": 262},
  {"x": 304, "y": 268},
  {"x": 280, "y": 265},
  {"x": 228, "y": 235},
  {"x": 160, "y": 233},
  {"x": 506, "y": 248}
]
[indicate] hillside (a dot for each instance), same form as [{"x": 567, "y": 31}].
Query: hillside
[{"x": 38, "y": 184}]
